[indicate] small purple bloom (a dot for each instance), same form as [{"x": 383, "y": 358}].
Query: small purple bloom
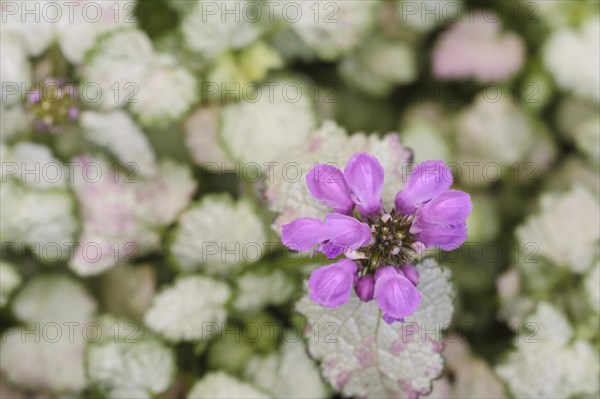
[
  {"x": 365, "y": 287},
  {"x": 54, "y": 106},
  {"x": 396, "y": 295},
  {"x": 73, "y": 113},
  {"x": 304, "y": 233},
  {"x": 381, "y": 243},
  {"x": 34, "y": 97},
  {"x": 326, "y": 183},
  {"x": 364, "y": 175},
  {"x": 331, "y": 285}
]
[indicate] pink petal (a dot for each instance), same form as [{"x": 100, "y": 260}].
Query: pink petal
[
  {"x": 331, "y": 285},
  {"x": 326, "y": 183},
  {"x": 364, "y": 175},
  {"x": 427, "y": 181},
  {"x": 396, "y": 295},
  {"x": 348, "y": 231},
  {"x": 304, "y": 233}
]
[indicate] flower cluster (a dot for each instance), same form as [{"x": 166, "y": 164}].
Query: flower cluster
[
  {"x": 56, "y": 108},
  {"x": 378, "y": 245}
]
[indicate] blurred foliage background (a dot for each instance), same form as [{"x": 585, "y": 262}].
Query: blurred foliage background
[{"x": 375, "y": 71}]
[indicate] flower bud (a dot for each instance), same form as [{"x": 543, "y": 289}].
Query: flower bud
[{"x": 365, "y": 287}]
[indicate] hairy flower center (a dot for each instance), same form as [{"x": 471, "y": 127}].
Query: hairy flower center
[{"x": 392, "y": 243}]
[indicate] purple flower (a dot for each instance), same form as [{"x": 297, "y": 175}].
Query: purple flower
[
  {"x": 34, "y": 96},
  {"x": 396, "y": 295},
  {"x": 53, "y": 107},
  {"x": 73, "y": 113},
  {"x": 330, "y": 286},
  {"x": 381, "y": 243}
]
